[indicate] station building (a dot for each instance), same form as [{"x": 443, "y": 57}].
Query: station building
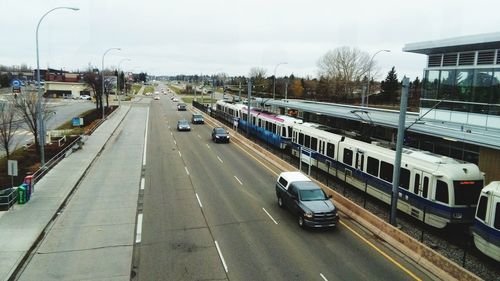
[{"x": 459, "y": 113}]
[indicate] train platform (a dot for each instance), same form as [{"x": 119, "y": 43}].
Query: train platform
[{"x": 23, "y": 225}]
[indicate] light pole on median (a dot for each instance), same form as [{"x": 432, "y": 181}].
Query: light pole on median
[
  {"x": 274, "y": 78},
  {"x": 102, "y": 78},
  {"x": 123, "y": 82},
  {"x": 368, "y": 83},
  {"x": 41, "y": 129}
]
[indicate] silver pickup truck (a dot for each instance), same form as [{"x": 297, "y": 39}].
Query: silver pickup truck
[{"x": 306, "y": 200}]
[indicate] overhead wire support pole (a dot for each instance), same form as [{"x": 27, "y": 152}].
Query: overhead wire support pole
[{"x": 399, "y": 150}]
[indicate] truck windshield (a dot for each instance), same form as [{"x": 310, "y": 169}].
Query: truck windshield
[{"x": 312, "y": 195}]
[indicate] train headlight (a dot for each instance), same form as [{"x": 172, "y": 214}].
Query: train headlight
[{"x": 457, "y": 215}]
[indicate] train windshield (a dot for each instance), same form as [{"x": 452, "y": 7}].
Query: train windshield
[{"x": 467, "y": 192}]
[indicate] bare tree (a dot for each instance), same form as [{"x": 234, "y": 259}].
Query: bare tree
[
  {"x": 345, "y": 65},
  {"x": 258, "y": 75},
  {"x": 26, "y": 105},
  {"x": 93, "y": 82},
  {"x": 8, "y": 126}
]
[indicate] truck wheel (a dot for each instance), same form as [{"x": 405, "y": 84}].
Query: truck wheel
[
  {"x": 301, "y": 221},
  {"x": 280, "y": 202}
]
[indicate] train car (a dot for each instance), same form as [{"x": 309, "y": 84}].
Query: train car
[
  {"x": 269, "y": 127},
  {"x": 486, "y": 228},
  {"x": 435, "y": 189}
]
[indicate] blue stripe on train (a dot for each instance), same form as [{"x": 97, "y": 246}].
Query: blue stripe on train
[{"x": 488, "y": 233}]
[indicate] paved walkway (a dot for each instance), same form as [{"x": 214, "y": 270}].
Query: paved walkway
[{"x": 21, "y": 226}]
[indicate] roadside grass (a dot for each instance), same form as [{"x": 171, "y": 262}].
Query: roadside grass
[
  {"x": 175, "y": 89},
  {"x": 149, "y": 89},
  {"x": 136, "y": 88},
  {"x": 189, "y": 99}
]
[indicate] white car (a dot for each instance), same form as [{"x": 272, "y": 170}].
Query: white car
[
  {"x": 85, "y": 97},
  {"x": 157, "y": 97},
  {"x": 175, "y": 99}
]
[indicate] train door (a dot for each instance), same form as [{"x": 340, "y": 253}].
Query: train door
[
  {"x": 421, "y": 183},
  {"x": 360, "y": 160}
]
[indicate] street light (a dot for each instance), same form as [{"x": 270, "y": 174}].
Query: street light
[
  {"x": 41, "y": 129},
  {"x": 368, "y": 83},
  {"x": 274, "y": 79},
  {"x": 102, "y": 77},
  {"x": 119, "y": 64}
]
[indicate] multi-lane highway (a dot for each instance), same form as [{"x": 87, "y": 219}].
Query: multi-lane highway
[{"x": 210, "y": 213}]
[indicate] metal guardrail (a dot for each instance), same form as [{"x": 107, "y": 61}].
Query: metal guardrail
[{"x": 7, "y": 200}]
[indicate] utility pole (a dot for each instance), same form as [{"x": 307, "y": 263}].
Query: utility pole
[
  {"x": 248, "y": 105},
  {"x": 286, "y": 89},
  {"x": 239, "y": 92},
  {"x": 399, "y": 150}
]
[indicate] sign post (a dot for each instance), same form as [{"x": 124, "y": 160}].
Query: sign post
[{"x": 12, "y": 170}]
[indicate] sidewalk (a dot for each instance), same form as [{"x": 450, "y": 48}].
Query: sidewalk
[{"x": 21, "y": 226}]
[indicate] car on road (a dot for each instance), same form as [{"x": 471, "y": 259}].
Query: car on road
[
  {"x": 183, "y": 125},
  {"x": 157, "y": 97},
  {"x": 174, "y": 99},
  {"x": 197, "y": 119},
  {"x": 85, "y": 97},
  {"x": 181, "y": 107},
  {"x": 220, "y": 134},
  {"x": 306, "y": 200}
]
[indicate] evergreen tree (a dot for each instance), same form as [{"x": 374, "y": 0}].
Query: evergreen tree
[{"x": 390, "y": 86}]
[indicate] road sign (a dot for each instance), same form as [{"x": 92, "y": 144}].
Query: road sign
[
  {"x": 16, "y": 83},
  {"x": 77, "y": 121},
  {"x": 12, "y": 168}
]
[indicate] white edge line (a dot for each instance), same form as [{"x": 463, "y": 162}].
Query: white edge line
[
  {"x": 171, "y": 133},
  {"x": 208, "y": 146},
  {"x": 139, "y": 229},
  {"x": 175, "y": 142},
  {"x": 220, "y": 160},
  {"x": 180, "y": 155},
  {"x": 145, "y": 141},
  {"x": 221, "y": 257},
  {"x": 199, "y": 136},
  {"x": 323, "y": 276},
  {"x": 199, "y": 201},
  {"x": 238, "y": 180},
  {"x": 270, "y": 216},
  {"x": 142, "y": 183},
  {"x": 187, "y": 172}
]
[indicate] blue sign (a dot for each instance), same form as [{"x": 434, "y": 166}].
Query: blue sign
[
  {"x": 75, "y": 121},
  {"x": 16, "y": 83}
]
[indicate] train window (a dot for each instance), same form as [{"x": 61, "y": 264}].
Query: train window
[
  {"x": 386, "y": 171},
  {"x": 496, "y": 223},
  {"x": 372, "y": 166},
  {"x": 467, "y": 192},
  {"x": 289, "y": 132},
  {"x": 301, "y": 138},
  {"x": 404, "y": 178},
  {"x": 347, "y": 157},
  {"x": 426, "y": 187},
  {"x": 314, "y": 144},
  {"x": 273, "y": 129},
  {"x": 442, "y": 192},
  {"x": 481, "y": 208},
  {"x": 330, "y": 150},
  {"x": 253, "y": 120},
  {"x": 245, "y": 116},
  {"x": 259, "y": 122},
  {"x": 283, "y": 132},
  {"x": 231, "y": 111},
  {"x": 416, "y": 183},
  {"x": 307, "y": 141},
  {"x": 218, "y": 107}
]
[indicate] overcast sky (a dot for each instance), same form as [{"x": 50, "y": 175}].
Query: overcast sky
[{"x": 206, "y": 37}]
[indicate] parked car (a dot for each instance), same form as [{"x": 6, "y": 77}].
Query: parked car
[
  {"x": 85, "y": 97},
  {"x": 183, "y": 125},
  {"x": 197, "y": 119},
  {"x": 181, "y": 107},
  {"x": 306, "y": 200},
  {"x": 220, "y": 134}
]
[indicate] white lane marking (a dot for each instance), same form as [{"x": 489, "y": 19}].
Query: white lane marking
[
  {"x": 270, "y": 216},
  {"x": 199, "y": 136},
  {"x": 199, "y": 201},
  {"x": 208, "y": 146},
  {"x": 143, "y": 181},
  {"x": 238, "y": 180},
  {"x": 171, "y": 133},
  {"x": 221, "y": 257},
  {"x": 175, "y": 142},
  {"x": 145, "y": 141},
  {"x": 187, "y": 172},
  {"x": 323, "y": 276},
  {"x": 138, "y": 235},
  {"x": 180, "y": 155},
  {"x": 220, "y": 160},
  {"x": 169, "y": 126}
]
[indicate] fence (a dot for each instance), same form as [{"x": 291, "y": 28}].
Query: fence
[{"x": 7, "y": 198}]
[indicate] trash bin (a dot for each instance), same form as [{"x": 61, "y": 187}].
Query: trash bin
[
  {"x": 21, "y": 195},
  {"x": 27, "y": 189},
  {"x": 29, "y": 181}
]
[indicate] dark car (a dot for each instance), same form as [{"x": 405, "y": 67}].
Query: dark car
[
  {"x": 183, "y": 125},
  {"x": 181, "y": 107},
  {"x": 220, "y": 134},
  {"x": 197, "y": 119}
]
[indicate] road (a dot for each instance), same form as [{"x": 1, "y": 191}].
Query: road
[{"x": 210, "y": 212}]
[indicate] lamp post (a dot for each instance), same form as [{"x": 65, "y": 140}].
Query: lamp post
[
  {"x": 368, "y": 83},
  {"x": 119, "y": 64},
  {"x": 274, "y": 79},
  {"x": 41, "y": 129},
  {"x": 102, "y": 78}
]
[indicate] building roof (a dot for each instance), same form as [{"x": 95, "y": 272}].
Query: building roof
[
  {"x": 456, "y": 44},
  {"x": 481, "y": 136}
]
